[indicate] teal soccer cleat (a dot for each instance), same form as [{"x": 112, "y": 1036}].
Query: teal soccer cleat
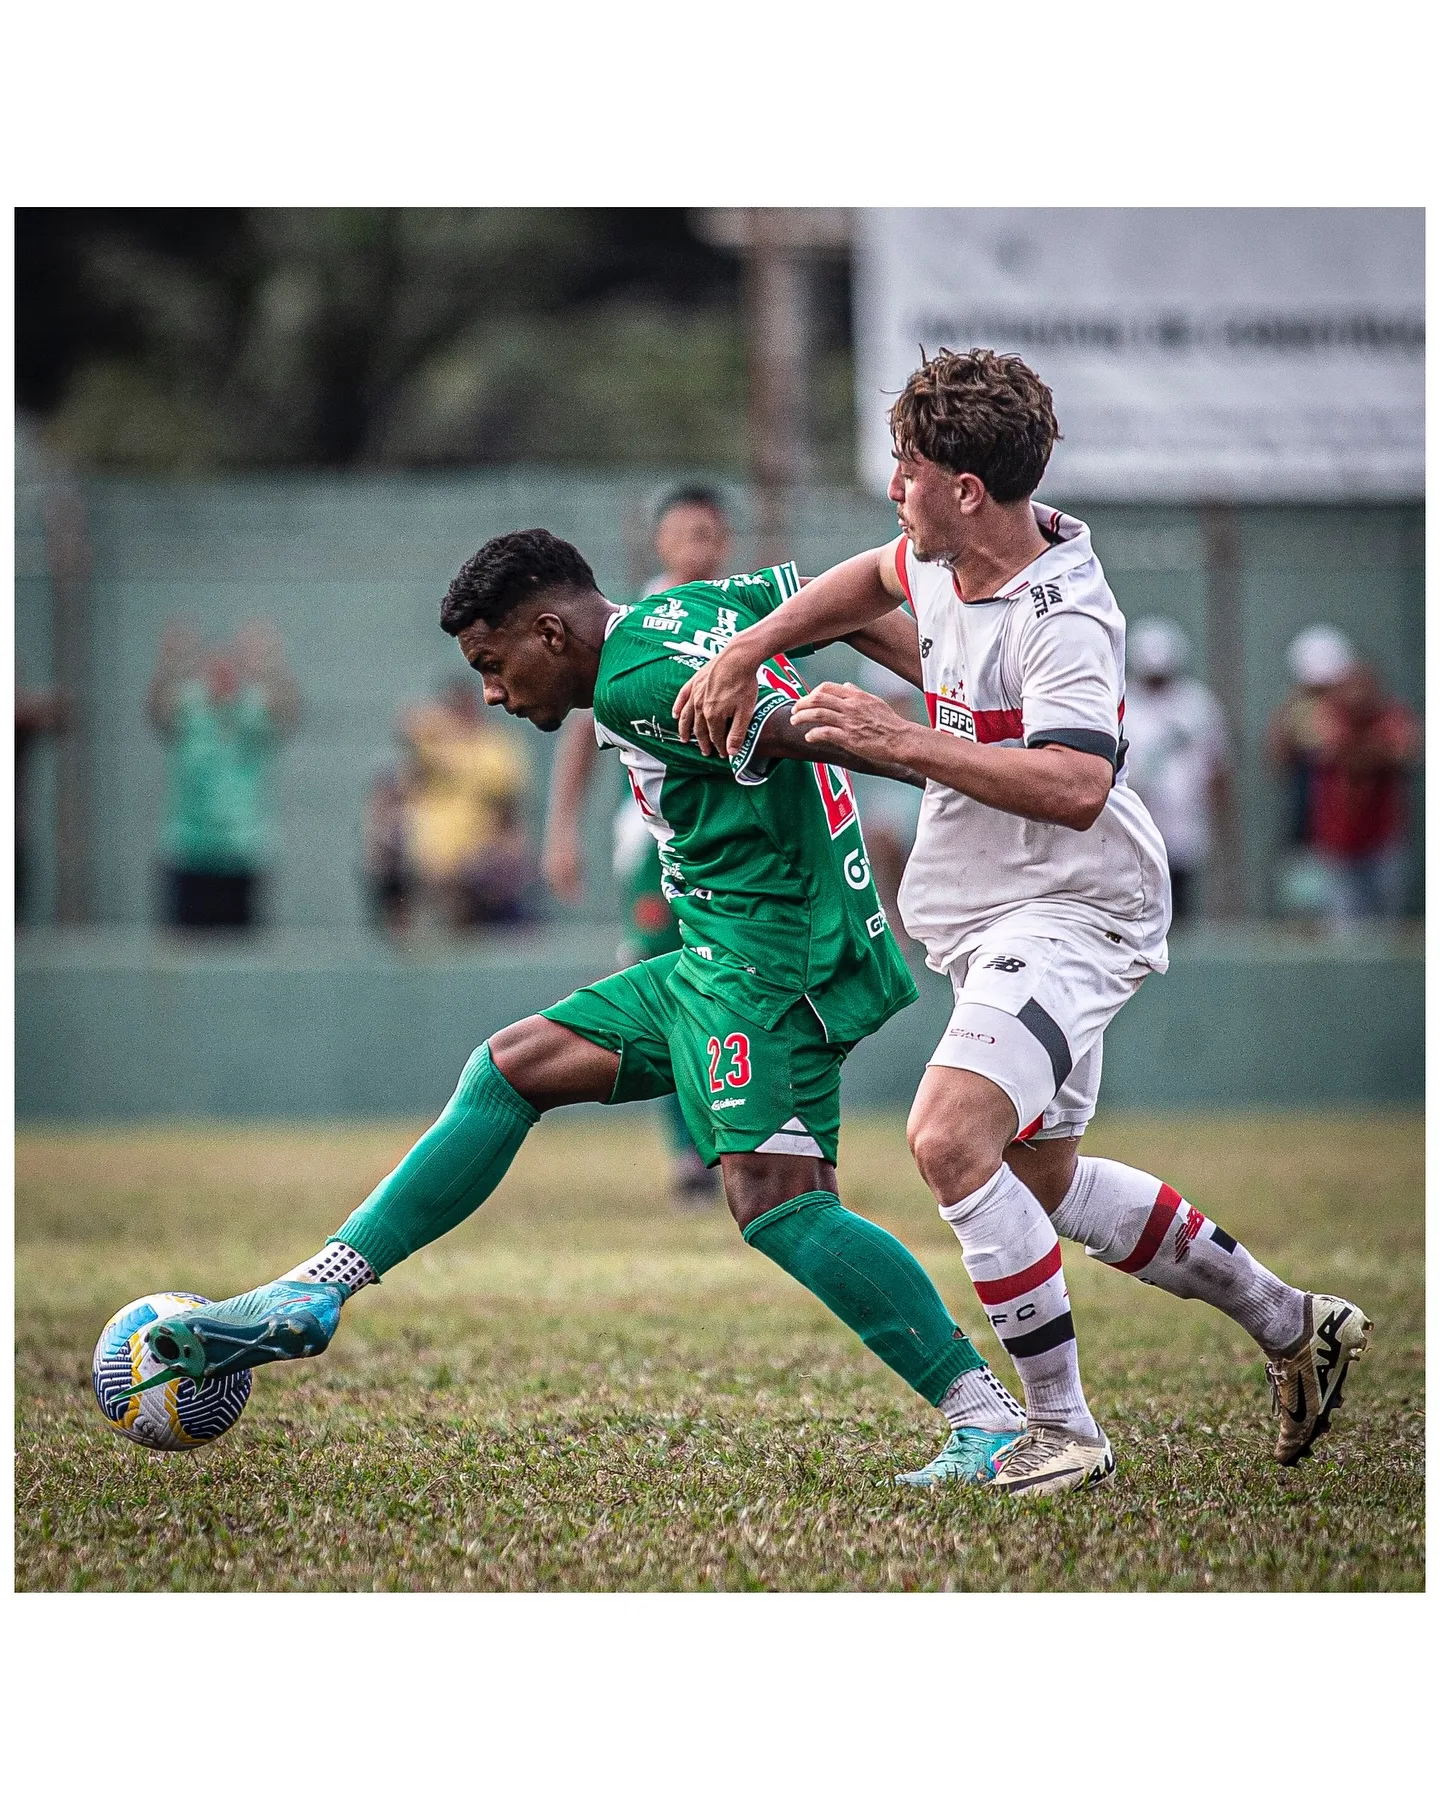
[
  {"x": 283, "y": 1321},
  {"x": 969, "y": 1457}
]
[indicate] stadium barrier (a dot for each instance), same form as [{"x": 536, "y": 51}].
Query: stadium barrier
[
  {"x": 351, "y": 569},
  {"x": 114, "y": 1025}
]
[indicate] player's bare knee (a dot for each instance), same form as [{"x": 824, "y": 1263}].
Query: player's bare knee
[
  {"x": 1047, "y": 1168},
  {"x": 953, "y": 1163},
  {"x": 549, "y": 1065},
  {"x": 519, "y": 1052},
  {"x": 755, "y": 1184}
]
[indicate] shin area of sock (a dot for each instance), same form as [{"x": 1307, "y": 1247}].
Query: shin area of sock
[
  {"x": 454, "y": 1168},
  {"x": 1012, "y": 1255},
  {"x": 872, "y": 1283},
  {"x": 1140, "y": 1225}
]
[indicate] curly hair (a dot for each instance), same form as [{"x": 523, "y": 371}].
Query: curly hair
[
  {"x": 508, "y": 570},
  {"x": 977, "y": 412}
]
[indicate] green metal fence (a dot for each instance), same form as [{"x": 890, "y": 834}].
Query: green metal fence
[{"x": 351, "y": 570}]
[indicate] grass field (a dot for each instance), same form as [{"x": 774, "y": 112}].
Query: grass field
[{"x": 581, "y": 1389}]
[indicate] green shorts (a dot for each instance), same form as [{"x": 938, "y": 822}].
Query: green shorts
[{"x": 741, "y": 1088}]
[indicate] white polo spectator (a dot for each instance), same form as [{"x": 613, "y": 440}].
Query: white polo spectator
[{"x": 1179, "y": 752}]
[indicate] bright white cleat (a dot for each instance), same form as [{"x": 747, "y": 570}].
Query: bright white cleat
[
  {"x": 1046, "y": 1461},
  {"x": 1306, "y": 1385}
]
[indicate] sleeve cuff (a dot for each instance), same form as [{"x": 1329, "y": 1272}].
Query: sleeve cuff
[
  {"x": 750, "y": 768},
  {"x": 1092, "y": 742}
]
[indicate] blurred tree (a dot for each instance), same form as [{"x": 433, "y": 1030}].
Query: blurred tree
[{"x": 187, "y": 340}]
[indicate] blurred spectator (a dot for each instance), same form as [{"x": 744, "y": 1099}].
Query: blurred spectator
[
  {"x": 222, "y": 717},
  {"x": 1318, "y": 658},
  {"x": 448, "y": 834},
  {"x": 1178, "y": 759},
  {"x": 387, "y": 879},
  {"x": 1355, "y": 748},
  {"x": 37, "y": 714}
]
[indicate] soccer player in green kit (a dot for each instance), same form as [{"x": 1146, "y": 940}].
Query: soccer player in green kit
[
  {"x": 692, "y": 542},
  {"x": 787, "y": 961}
]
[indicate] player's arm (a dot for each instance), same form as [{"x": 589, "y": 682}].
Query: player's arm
[
  {"x": 894, "y": 642},
  {"x": 576, "y": 754},
  {"x": 1069, "y": 705},
  {"x": 715, "y": 706},
  {"x": 781, "y": 738},
  {"x": 1051, "y": 784}
]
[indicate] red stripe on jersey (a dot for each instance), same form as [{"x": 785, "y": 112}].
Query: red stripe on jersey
[
  {"x": 1121, "y": 713},
  {"x": 995, "y": 1292},
  {"x": 1030, "y": 1129},
  {"x": 1167, "y": 1203},
  {"x": 900, "y": 574},
  {"x": 930, "y": 701},
  {"x": 998, "y": 727},
  {"x": 646, "y": 810}
]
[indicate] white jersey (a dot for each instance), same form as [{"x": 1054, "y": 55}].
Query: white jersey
[
  {"x": 1178, "y": 744},
  {"x": 1043, "y": 661}
]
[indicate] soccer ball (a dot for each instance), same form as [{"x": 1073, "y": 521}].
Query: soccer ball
[{"x": 175, "y": 1414}]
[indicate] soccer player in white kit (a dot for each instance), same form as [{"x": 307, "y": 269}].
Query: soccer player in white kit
[{"x": 1038, "y": 883}]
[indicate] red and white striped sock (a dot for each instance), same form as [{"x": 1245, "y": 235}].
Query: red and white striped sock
[
  {"x": 1138, "y": 1224},
  {"x": 1013, "y": 1256}
]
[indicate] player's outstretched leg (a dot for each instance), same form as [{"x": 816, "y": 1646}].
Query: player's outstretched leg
[
  {"x": 1134, "y": 1222},
  {"x": 873, "y": 1284},
  {"x": 959, "y": 1127},
  {"x": 453, "y": 1168}
]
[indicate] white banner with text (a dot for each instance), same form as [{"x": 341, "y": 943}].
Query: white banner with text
[{"x": 1194, "y": 354}]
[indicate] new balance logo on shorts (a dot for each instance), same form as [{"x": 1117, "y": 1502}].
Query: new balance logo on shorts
[{"x": 1005, "y": 964}]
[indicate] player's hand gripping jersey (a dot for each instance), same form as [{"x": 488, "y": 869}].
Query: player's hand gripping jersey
[
  {"x": 1041, "y": 662},
  {"x": 764, "y": 863}
]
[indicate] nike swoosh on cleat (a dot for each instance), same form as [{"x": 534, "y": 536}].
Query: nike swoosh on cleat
[
  {"x": 1025, "y": 1485},
  {"x": 1298, "y": 1416},
  {"x": 1039, "y": 1479}
]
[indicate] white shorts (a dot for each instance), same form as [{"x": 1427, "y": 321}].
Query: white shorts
[{"x": 1031, "y": 1006}]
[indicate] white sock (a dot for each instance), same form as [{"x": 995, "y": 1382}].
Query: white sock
[
  {"x": 1012, "y": 1255},
  {"x": 336, "y": 1261},
  {"x": 1134, "y": 1222},
  {"x": 977, "y": 1401}
]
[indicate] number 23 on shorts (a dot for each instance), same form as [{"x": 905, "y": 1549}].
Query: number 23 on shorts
[{"x": 738, "y": 1073}]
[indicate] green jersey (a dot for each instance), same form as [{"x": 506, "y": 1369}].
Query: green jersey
[
  {"x": 220, "y": 752},
  {"x": 763, "y": 862}
]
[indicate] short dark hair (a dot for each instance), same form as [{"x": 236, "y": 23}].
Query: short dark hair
[
  {"x": 976, "y": 412},
  {"x": 692, "y": 496},
  {"x": 508, "y": 570}
]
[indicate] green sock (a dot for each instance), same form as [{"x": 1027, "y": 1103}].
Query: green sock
[
  {"x": 872, "y": 1282},
  {"x": 454, "y": 1168}
]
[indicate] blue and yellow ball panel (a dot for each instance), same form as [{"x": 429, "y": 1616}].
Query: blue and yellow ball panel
[{"x": 171, "y": 1416}]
